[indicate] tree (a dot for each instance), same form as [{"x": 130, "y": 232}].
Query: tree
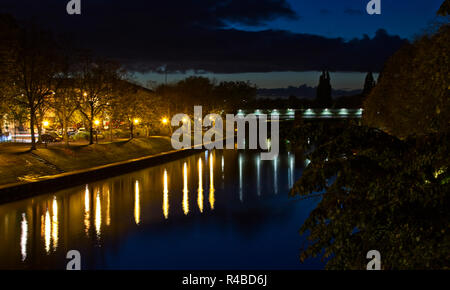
[
  {"x": 130, "y": 104},
  {"x": 64, "y": 104},
  {"x": 65, "y": 100},
  {"x": 379, "y": 192},
  {"x": 231, "y": 96},
  {"x": 197, "y": 91},
  {"x": 323, "y": 95},
  {"x": 444, "y": 10},
  {"x": 369, "y": 84},
  {"x": 411, "y": 96},
  {"x": 8, "y": 46},
  {"x": 96, "y": 78},
  {"x": 33, "y": 72}
]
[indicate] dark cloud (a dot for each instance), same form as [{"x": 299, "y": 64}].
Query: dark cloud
[
  {"x": 351, "y": 11},
  {"x": 195, "y": 35}
]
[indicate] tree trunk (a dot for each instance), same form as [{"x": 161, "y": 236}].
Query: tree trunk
[
  {"x": 65, "y": 134},
  {"x": 39, "y": 128},
  {"x": 32, "y": 119},
  {"x": 110, "y": 130},
  {"x": 91, "y": 127},
  {"x": 131, "y": 130}
]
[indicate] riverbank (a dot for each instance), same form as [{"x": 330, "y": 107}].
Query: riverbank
[
  {"x": 19, "y": 164},
  {"x": 98, "y": 153}
]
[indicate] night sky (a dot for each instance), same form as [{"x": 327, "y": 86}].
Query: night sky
[{"x": 273, "y": 43}]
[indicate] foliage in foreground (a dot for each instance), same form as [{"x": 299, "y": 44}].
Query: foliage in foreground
[{"x": 382, "y": 193}]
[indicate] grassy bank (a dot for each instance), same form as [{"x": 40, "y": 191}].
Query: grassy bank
[{"x": 17, "y": 163}]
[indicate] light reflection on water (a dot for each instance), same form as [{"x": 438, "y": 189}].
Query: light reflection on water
[
  {"x": 212, "y": 199},
  {"x": 200, "y": 185},
  {"x": 131, "y": 221},
  {"x": 137, "y": 203},
  {"x": 166, "y": 196},
  {"x": 185, "y": 190}
]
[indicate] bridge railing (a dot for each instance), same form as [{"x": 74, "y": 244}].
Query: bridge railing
[{"x": 290, "y": 114}]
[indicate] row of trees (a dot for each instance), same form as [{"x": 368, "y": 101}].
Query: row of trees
[
  {"x": 40, "y": 73},
  {"x": 213, "y": 96}
]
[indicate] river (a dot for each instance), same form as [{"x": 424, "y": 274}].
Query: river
[{"x": 222, "y": 209}]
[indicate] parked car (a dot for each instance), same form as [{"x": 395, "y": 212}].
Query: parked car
[
  {"x": 71, "y": 131},
  {"x": 50, "y": 137}
]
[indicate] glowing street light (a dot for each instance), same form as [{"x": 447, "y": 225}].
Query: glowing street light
[
  {"x": 136, "y": 121},
  {"x": 45, "y": 123},
  {"x": 165, "y": 121},
  {"x": 96, "y": 122}
]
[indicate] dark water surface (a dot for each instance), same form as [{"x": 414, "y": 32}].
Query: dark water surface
[{"x": 214, "y": 210}]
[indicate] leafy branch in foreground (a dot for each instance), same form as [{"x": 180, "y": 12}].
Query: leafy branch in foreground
[{"x": 380, "y": 193}]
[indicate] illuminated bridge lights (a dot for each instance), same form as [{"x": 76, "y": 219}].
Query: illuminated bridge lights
[
  {"x": 326, "y": 112},
  {"x": 309, "y": 112}
]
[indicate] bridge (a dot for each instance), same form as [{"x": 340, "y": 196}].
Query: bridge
[{"x": 291, "y": 114}]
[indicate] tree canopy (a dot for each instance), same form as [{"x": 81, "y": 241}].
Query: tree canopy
[{"x": 413, "y": 89}]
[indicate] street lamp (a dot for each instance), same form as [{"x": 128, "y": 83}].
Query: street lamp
[
  {"x": 165, "y": 121},
  {"x": 136, "y": 121},
  {"x": 96, "y": 122},
  {"x": 45, "y": 124}
]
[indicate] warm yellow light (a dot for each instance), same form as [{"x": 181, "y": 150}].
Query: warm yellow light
[
  {"x": 96, "y": 122},
  {"x": 45, "y": 123},
  {"x": 137, "y": 204},
  {"x": 166, "y": 196},
  {"x": 185, "y": 120},
  {"x": 200, "y": 185},
  {"x": 85, "y": 94},
  {"x": 185, "y": 190},
  {"x": 136, "y": 121},
  {"x": 165, "y": 121}
]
